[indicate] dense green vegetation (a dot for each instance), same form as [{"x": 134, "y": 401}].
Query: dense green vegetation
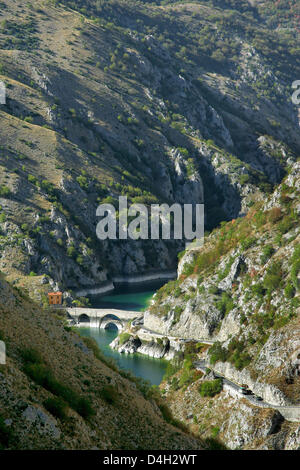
[
  {"x": 210, "y": 388},
  {"x": 236, "y": 354},
  {"x": 123, "y": 338},
  {"x": 5, "y": 434}
]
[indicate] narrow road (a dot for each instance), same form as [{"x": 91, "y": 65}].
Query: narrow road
[
  {"x": 202, "y": 366},
  {"x": 184, "y": 340},
  {"x": 289, "y": 412}
]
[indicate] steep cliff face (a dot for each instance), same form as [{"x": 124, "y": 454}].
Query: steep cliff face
[
  {"x": 239, "y": 295},
  {"x": 110, "y": 98},
  {"x": 58, "y": 392},
  {"x": 229, "y": 419},
  {"x": 242, "y": 291}
]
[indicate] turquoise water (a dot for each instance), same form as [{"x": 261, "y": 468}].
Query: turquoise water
[
  {"x": 127, "y": 297},
  {"x": 138, "y": 364},
  {"x": 128, "y": 301}
]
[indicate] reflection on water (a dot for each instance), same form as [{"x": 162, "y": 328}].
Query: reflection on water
[
  {"x": 127, "y": 297},
  {"x": 140, "y": 365}
]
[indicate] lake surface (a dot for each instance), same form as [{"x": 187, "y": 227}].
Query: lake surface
[{"x": 127, "y": 298}]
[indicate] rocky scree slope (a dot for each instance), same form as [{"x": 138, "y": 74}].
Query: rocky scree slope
[
  {"x": 58, "y": 392},
  {"x": 162, "y": 103}
]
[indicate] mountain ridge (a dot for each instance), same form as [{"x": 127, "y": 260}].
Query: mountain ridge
[{"x": 96, "y": 109}]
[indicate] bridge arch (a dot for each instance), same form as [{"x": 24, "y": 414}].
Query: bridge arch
[
  {"x": 111, "y": 320},
  {"x": 84, "y": 318}
]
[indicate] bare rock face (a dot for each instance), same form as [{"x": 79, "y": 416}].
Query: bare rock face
[
  {"x": 244, "y": 299},
  {"x": 242, "y": 429},
  {"x": 45, "y": 423},
  {"x": 155, "y": 349},
  {"x": 226, "y": 283},
  {"x": 270, "y": 393},
  {"x": 129, "y": 347},
  {"x": 293, "y": 440},
  {"x": 152, "y": 346}
]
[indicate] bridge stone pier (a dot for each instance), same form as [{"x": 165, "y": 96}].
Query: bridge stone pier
[{"x": 101, "y": 317}]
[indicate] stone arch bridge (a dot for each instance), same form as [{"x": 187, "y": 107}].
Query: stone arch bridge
[{"x": 101, "y": 317}]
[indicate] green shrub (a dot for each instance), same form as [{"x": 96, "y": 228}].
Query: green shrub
[
  {"x": 177, "y": 292},
  {"x": 273, "y": 277},
  {"x": 210, "y": 388},
  {"x": 30, "y": 355},
  {"x": 188, "y": 373},
  {"x": 172, "y": 368},
  {"x": 40, "y": 373},
  {"x": 60, "y": 242},
  {"x": 287, "y": 223},
  {"x": 24, "y": 227},
  {"x": 110, "y": 200},
  {"x": 236, "y": 354},
  {"x": 267, "y": 252},
  {"x": 240, "y": 360},
  {"x": 214, "y": 290},
  {"x": 123, "y": 338},
  {"x": 225, "y": 304},
  {"x": 258, "y": 289},
  {"x": 71, "y": 251},
  {"x": 214, "y": 444},
  {"x": 215, "y": 431},
  {"x": 57, "y": 407},
  {"x": 177, "y": 313},
  {"x": 289, "y": 291},
  {"x": 109, "y": 394},
  {"x": 295, "y": 262},
  {"x": 32, "y": 179},
  {"x": 84, "y": 407},
  {"x": 5, "y": 435},
  {"x": 282, "y": 321},
  {"x": 217, "y": 353},
  {"x": 47, "y": 187},
  {"x": 4, "y": 191},
  {"x": 83, "y": 182},
  {"x": 247, "y": 243}
]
